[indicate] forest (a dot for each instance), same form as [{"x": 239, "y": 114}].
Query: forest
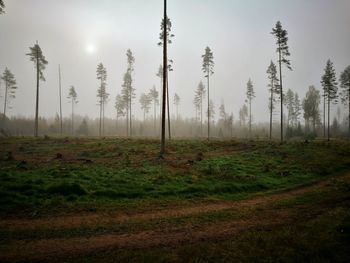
[{"x": 99, "y": 165}]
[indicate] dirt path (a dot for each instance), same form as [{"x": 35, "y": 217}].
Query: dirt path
[{"x": 41, "y": 249}]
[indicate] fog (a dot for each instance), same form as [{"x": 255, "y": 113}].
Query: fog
[{"x": 80, "y": 34}]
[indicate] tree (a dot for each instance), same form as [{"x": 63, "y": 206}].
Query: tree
[
  {"x": 211, "y": 111},
  {"x": 119, "y": 106},
  {"x": 250, "y": 96},
  {"x": 208, "y": 69},
  {"x": 130, "y": 70},
  {"x": 60, "y": 98},
  {"x": 2, "y": 7},
  {"x": 83, "y": 128},
  {"x": 243, "y": 114},
  {"x": 345, "y": 91},
  {"x": 145, "y": 101},
  {"x": 311, "y": 105},
  {"x": 36, "y": 55},
  {"x": 289, "y": 101},
  {"x": 283, "y": 53},
  {"x": 72, "y": 96},
  {"x": 329, "y": 83},
  {"x": 165, "y": 69},
  {"x": 296, "y": 109},
  {"x": 10, "y": 88},
  {"x": 128, "y": 92},
  {"x": 153, "y": 94},
  {"x": 273, "y": 89},
  {"x": 102, "y": 95},
  {"x": 177, "y": 103},
  {"x": 170, "y": 62},
  {"x": 199, "y": 99}
]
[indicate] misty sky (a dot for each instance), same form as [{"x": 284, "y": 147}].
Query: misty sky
[{"x": 79, "y": 34}]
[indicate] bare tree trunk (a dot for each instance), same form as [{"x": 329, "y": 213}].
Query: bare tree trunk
[
  {"x": 324, "y": 114},
  {"x": 36, "y": 127},
  {"x": 208, "y": 107},
  {"x": 250, "y": 118},
  {"x": 328, "y": 117},
  {"x": 60, "y": 96},
  {"x": 168, "y": 106},
  {"x": 100, "y": 126},
  {"x": 5, "y": 102},
  {"x": 281, "y": 90},
  {"x": 271, "y": 109},
  {"x": 72, "y": 117},
  {"x": 127, "y": 119},
  {"x": 165, "y": 71},
  {"x": 349, "y": 111},
  {"x": 155, "y": 117},
  {"x": 130, "y": 115}
]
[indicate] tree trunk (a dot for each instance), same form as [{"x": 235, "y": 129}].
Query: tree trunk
[
  {"x": 208, "y": 107},
  {"x": 130, "y": 115},
  {"x": 324, "y": 114},
  {"x": 60, "y": 96},
  {"x": 168, "y": 106},
  {"x": 328, "y": 117},
  {"x": 100, "y": 126},
  {"x": 72, "y": 117},
  {"x": 349, "y": 111},
  {"x": 271, "y": 107},
  {"x": 37, "y": 94},
  {"x": 281, "y": 89},
  {"x": 250, "y": 118},
  {"x": 5, "y": 102},
  {"x": 155, "y": 117},
  {"x": 165, "y": 71}
]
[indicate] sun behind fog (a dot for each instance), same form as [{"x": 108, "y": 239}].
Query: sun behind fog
[{"x": 90, "y": 48}]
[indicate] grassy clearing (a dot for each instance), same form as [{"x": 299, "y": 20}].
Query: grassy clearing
[{"x": 52, "y": 174}]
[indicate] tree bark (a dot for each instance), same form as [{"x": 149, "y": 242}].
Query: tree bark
[
  {"x": 168, "y": 106},
  {"x": 271, "y": 102},
  {"x": 60, "y": 96},
  {"x": 208, "y": 106},
  {"x": 328, "y": 118},
  {"x": 37, "y": 93},
  {"x": 281, "y": 89},
  {"x": 5, "y": 102},
  {"x": 165, "y": 71}
]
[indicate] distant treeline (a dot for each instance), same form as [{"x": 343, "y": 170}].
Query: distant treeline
[{"x": 224, "y": 128}]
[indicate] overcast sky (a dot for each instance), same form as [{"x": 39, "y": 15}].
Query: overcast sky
[{"x": 79, "y": 34}]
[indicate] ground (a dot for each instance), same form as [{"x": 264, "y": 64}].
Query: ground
[{"x": 115, "y": 200}]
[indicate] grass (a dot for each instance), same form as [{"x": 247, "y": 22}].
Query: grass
[{"x": 96, "y": 173}]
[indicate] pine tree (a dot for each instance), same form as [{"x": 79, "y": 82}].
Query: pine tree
[
  {"x": 289, "y": 101},
  {"x": 208, "y": 69},
  {"x": 153, "y": 93},
  {"x": 36, "y": 55},
  {"x": 345, "y": 91},
  {"x": 329, "y": 83},
  {"x": 283, "y": 53},
  {"x": 250, "y": 96},
  {"x": 170, "y": 62},
  {"x": 296, "y": 109},
  {"x": 72, "y": 96},
  {"x": 130, "y": 70},
  {"x": 273, "y": 89},
  {"x": 199, "y": 99},
  {"x": 311, "y": 105},
  {"x": 102, "y": 94},
  {"x": 119, "y": 107},
  {"x": 10, "y": 88},
  {"x": 145, "y": 101},
  {"x": 165, "y": 69}
]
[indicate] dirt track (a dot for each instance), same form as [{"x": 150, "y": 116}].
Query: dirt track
[{"x": 261, "y": 215}]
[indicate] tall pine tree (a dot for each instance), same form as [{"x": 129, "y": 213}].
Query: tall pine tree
[
  {"x": 36, "y": 55},
  {"x": 283, "y": 54},
  {"x": 329, "y": 84},
  {"x": 208, "y": 69},
  {"x": 345, "y": 91}
]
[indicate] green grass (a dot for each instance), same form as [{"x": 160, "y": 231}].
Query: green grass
[{"x": 125, "y": 171}]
